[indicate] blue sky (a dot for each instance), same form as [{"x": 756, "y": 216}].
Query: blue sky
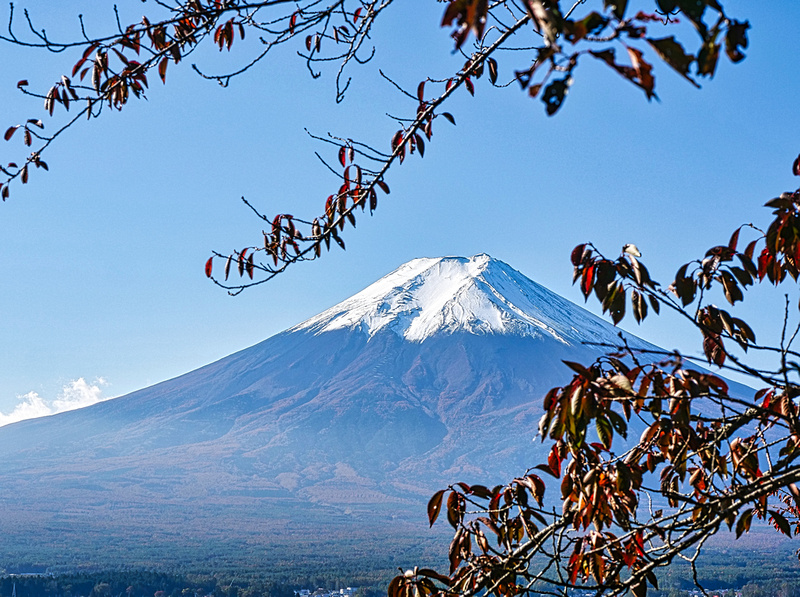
[{"x": 102, "y": 257}]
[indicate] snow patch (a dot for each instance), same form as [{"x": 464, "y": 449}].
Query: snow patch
[{"x": 479, "y": 295}]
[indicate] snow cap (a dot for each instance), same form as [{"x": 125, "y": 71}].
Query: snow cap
[{"x": 478, "y": 295}]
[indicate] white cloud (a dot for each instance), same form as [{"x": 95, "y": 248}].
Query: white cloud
[
  {"x": 76, "y": 394},
  {"x": 29, "y": 406}
]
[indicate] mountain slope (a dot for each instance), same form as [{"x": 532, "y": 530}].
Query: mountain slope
[{"x": 431, "y": 375}]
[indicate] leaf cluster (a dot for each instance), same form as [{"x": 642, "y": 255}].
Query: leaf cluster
[
  {"x": 707, "y": 458},
  {"x": 115, "y": 68}
]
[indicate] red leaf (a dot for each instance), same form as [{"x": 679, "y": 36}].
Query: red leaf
[
  {"x": 384, "y": 187},
  {"x": 421, "y": 91},
  {"x": 764, "y": 261},
  {"x": 588, "y": 281},
  {"x": 554, "y": 462},
  {"x": 470, "y": 86},
  {"x": 750, "y": 250},
  {"x": 397, "y": 139},
  {"x": 670, "y": 52},
  {"x": 420, "y": 145},
  {"x": 77, "y": 66},
  {"x": 10, "y": 132},
  {"x": 449, "y": 117},
  {"x": 734, "y": 240},
  {"x": 455, "y": 509},
  {"x": 434, "y": 506},
  {"x": 455, "y": 550},
  {"x": 579, "y": 369},
  {"x": 577, "y": 254},
  {"x": 796, "y": 166},
  {"x": 780, "y": 523},
  {"x": 90, "y": 49},
  {"x": 229, "y": 33},
  {"x": 546, "y": 469},
  {"x": 743, "y": 525},
  {"x": 162, "y": 69},
  {"x": 714, "y": 349},
  {"x": 395, "y": 589},
  {"x": 209, "y": 263},
  {"x": 342, "y": 155}
]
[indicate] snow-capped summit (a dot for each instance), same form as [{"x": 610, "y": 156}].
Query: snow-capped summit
[{"x": 479, "y": 295}]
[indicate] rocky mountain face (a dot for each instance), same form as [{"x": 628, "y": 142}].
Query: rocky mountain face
[{"x": 341, "y": 426}]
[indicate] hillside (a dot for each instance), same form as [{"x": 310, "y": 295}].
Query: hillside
[{"x": 323, "y": 439}]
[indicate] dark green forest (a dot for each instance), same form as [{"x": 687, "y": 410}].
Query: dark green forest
[
  {"x": 753, "y": 565},
  {"x": 140, "y": 583}
]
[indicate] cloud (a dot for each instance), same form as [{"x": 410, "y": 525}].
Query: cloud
[
  {"x": 29, "y": 406},
  {"x": 76, "y": 394}
]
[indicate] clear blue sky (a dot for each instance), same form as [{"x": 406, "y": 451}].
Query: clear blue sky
[{"x": 102, "y": 258}]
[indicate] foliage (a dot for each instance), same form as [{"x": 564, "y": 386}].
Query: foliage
[
  {"x": 706, "y": 459},
  {"x": 549, "y": 41}
]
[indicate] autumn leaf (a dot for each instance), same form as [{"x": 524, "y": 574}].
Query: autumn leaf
[
  {"x": 434, "y": 506},
  {"x": 209, "y": 264}
]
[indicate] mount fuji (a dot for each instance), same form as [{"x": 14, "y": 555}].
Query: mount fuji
[{"x": 337, "y": 429}]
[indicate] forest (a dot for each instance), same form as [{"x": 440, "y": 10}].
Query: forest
[
  {"x": 756, "y": 566},
  {"x": 139, "y": 583}
]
